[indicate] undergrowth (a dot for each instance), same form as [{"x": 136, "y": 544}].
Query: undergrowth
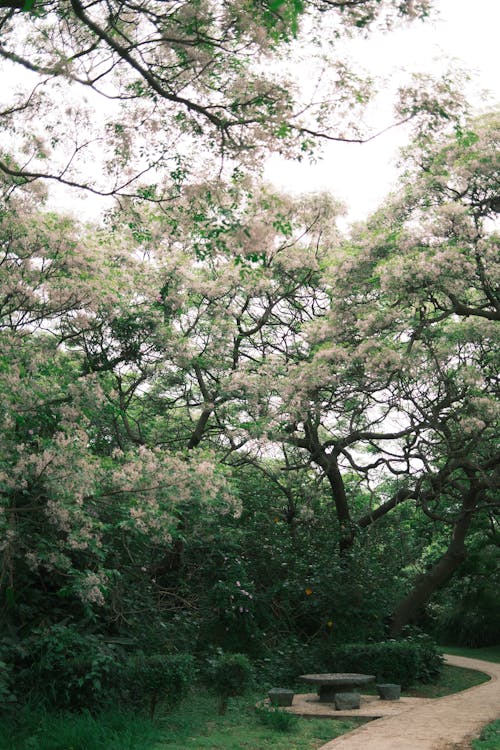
[{"x": 37, "y": 730}]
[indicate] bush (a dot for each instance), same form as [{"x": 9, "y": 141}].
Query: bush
[
  {"x": 147, "y": 680},
  {"x": 230, "y": 675},
  {"x": 283, "y": 662},
  {"x": 63, "y": 668},
  {"x": 277, "y": 719},
  {"x": 7, "y": 694},
  {"x": 59, "y": 667},
  {"x": 402, "y": 662}
]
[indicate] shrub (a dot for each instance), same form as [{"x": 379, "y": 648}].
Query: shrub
[
  {"x": 7, "y": 693},
  {"x": 7, "y": 696},
  {"x": 156, "y": 678},
  {"x": 281, "y": 663},
  {"x": 402, "y": 662},
  {"x": 230, "y": 675},
  {"x": 63, "y": 668},
  {"x": 277, "y": 719}
]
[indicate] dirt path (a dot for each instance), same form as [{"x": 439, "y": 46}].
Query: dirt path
[{"x": 448, "y": 723}]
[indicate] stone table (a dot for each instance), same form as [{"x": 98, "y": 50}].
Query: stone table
[{"x": 338, "y": 682}]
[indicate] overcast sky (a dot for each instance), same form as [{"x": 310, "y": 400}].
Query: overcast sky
[{"x": 361, "y": 175}]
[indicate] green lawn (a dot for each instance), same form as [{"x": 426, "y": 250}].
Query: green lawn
[
  {"x": 452, "y": 680},
  {"x": 488, "y": 653},
  {"x": 195, "y": 725}
]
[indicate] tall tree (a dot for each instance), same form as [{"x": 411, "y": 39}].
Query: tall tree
[{"x": 425, "y": 278}]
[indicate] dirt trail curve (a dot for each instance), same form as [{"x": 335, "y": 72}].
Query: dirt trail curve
[{"x": 448, "y": 723}]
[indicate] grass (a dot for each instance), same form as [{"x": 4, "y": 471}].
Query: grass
[
  {"x": 195, "y": 725},
  {"x": 488, "y": 653},
  {"x": 112, "y": 730},
  {"x": 490, "y": 737},
  {"x": 452, "y": 680}
]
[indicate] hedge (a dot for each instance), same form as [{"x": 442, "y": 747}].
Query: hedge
[{"x": 403, "y": 662}]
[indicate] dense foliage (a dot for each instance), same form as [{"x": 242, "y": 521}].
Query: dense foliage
[
  {"x": 226, "y": 424},
  {"x": 204, "y": 446}
]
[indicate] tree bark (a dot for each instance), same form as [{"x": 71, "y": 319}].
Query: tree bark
[
  {"x": 334, "y": 476},
  {"x": 435, "y": 578},
  {"x": 373, "y": 515},
  {"x": 329, "y": 463}
]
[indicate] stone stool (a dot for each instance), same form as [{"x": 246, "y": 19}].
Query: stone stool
[
  {"x": 347, "y": 701},
  {"x": 281, "y": 696},
  {"x": 389, "y": 692}
]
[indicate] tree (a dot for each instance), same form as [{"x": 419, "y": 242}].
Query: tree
[
  {"x": 141, "y": 88},
  {"x": 426, "y": 279},
  {"x": 78, "y": 514}
]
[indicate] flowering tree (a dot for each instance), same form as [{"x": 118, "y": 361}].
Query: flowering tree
[
  {"x": 142, "y": 90},
  {"x": 78, "y": 509},
  {"x": 283, "y": 338},
  {"x": 226, "y": 278},
  {"x": 235, "y": 324}
]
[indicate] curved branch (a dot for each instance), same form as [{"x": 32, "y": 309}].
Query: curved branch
[
  {"x": 143, "y": 72},
  {"x": 373, "y": 515},
  {"x": 341, "y": 139}
]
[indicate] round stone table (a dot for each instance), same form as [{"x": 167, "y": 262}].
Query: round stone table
[{"x": 338, "y": 682}]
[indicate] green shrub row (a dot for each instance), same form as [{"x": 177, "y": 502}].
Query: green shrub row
[
  {"x": 59, "y": 667},
  {"x": 404, "y": 662}
]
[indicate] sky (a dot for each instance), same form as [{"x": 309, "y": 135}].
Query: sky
[{"x": 466, "y": 35}]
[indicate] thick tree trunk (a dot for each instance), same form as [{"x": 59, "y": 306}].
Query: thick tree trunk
[
  {"x": 329, "y": 463},
  {"x": 435, "y": 578},
  {"x": 346, "y": 539}
]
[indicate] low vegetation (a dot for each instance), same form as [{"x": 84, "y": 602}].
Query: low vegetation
[
  {"x": 489, "y": 739},
  {"x": 487, "y": 653},
  {"x": 113, "y": 730},
  {"x": 197, "y": 723},
  {"x": 451, "y": 680}
]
